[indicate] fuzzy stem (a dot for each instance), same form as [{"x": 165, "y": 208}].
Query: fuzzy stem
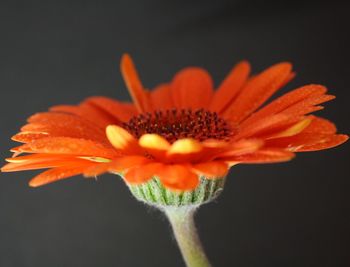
[{"x": 182, "y": 222}]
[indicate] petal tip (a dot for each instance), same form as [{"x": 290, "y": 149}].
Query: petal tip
[
  {"x": 4, "y": 169},
  {"x": 125, "y": 59},
  {"x": 33, "y": 183}
]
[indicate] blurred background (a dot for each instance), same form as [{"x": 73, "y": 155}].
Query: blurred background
[{"x": 55, "y": 52}]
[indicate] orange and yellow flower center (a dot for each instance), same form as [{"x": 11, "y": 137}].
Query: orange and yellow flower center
[{"x": 175, "y": 124}]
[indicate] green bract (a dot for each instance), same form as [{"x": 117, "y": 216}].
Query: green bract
[{"x": 154, "y": 193}]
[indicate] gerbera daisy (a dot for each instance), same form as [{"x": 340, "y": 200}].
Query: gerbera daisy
[
  {"x": 177, "y": 131},
  {"x": 174, "y": 145}
]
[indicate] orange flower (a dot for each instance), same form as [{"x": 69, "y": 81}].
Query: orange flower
[{"x": 178, "y": 131}]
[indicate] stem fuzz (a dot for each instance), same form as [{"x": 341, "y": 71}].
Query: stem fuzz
[{"x": 182, "y": 222}]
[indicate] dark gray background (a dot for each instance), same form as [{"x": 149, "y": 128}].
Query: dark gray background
[{"x": 292, "y": 214}]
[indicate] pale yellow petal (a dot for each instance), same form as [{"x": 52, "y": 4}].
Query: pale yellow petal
[
  {"x": 293, "y": 130},
  {"x": 119, "y": 137},
  {"x": 96, "y": 159},
  {"x": 185, "y": 146},
  {"x": 154, "y": 141}
]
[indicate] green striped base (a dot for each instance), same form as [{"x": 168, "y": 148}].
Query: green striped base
[{"x": 154, "y": 193}]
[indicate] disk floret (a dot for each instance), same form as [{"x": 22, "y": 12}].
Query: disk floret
[{"x": 174, "y": 124}]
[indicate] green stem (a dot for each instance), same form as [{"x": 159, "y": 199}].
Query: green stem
[{"x": 182, "y": 222}]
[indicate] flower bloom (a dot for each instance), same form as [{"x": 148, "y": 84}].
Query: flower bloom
[{"x": 179, "y": 131}]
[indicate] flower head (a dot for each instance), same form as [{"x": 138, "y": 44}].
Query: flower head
[{"x": 180, "y": 131}]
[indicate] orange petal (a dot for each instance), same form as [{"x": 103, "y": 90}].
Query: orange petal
[
  {"x": 161, "y": 97},
  {"x": 245, "y": 146},
  {"x": 288, "y": 79},
  {"x": 287, "y": 100},
  {"x": 263, "y": 156},
  {"x": 230, "y": 87},
  {"x": 27, "y": 137},
  {"x": 307, "y": 141},
  {"x": 214, "y": 143},
  {"x": 70, "y": 109},
  {"x": 178, "y": 177},
  {"x": 41, "y": 161},
  {"x": 58, "y": 117},
  {"x": 258, "y": 90},
  {"x": 56, "y": 174},
  {"x": 89, "y": 112},
  {"x": 67, "y": 145},
  {"x": 212, "y": 169},
  {"x": 192, "y": 88},
  {"x": 16, "y": 151},
  {"x": 35, "y": 157},
  {"x": 120, "y": 164},
  {"x": 211, "y": 148},
  {"x": 134, "y": 85},
  {"x": 331, "y": 141},
  {"x": 264, "y": 125},
  {"x": 321, "y": 126},
  {"x": 292, "y": 130},
  {"x": 64, "y": 125},
  {"x": 97, "y": 169},
  {"x": 142, "y": 174},
  {"x": 122, "y": 111},
  {"x": 308, "y": 105}
]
